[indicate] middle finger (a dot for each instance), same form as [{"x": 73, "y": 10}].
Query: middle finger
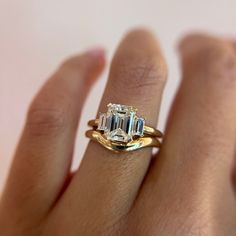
[{"x": 106, "y": 184}]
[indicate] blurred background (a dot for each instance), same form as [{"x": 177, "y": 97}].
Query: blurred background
[{"x": 35, "y": 36}]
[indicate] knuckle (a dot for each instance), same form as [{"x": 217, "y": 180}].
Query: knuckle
[
  {"x": 221, "y": 60},
  {"x": 218, "y": 63},
  {"x": 144, "y": 74},
  {"x": 45, "y": 121}
]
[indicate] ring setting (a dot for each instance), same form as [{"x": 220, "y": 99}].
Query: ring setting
[{"x": 121, "y": 129}]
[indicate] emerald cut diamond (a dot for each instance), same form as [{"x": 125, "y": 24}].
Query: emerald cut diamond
[{"x": 120, "y": 123}]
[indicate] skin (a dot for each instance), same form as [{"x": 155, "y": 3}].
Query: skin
[{"x": 188, "y": 188}]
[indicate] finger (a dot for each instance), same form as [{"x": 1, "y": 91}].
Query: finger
[
  {"x": 107, "y": 183},
  {"x": 233, "y": 42},
  {"x": 42, "y": 161},
  {"x": 192, "y": 177}
]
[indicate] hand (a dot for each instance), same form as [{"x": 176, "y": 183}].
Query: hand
[{"x": 186, "y": 189}]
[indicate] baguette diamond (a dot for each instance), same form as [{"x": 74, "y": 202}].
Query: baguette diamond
[{"x": 120, "y": 123}]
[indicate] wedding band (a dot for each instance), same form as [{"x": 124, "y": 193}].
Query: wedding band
[{"x": 121, "y": 130}]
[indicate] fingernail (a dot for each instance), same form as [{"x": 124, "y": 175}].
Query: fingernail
[{"x": 96, "y": 52}]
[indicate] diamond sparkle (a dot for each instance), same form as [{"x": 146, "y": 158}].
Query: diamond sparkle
[{"x": 120, "y": 123}]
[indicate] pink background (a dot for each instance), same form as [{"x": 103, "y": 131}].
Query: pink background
[{"x": 35, "y": 36}]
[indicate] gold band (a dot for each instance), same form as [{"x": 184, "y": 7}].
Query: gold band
[
  {"x": 138, "y": 143},
  {"x": 120, "y": 129},
  {"x": 148, "y": 131}
]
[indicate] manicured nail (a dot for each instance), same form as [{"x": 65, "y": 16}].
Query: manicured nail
[{"x": 96, "y": 52}]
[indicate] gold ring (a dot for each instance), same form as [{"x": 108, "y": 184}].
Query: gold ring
[{"x": 121, "y": 130}]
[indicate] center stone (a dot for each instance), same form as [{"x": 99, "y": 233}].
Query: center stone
[{"x": 120, "y": 123}]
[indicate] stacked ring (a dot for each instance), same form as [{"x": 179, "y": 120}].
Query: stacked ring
[{"x": 121, "y": 130}]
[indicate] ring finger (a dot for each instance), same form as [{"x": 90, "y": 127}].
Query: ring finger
[{"x": 103, "y": 189}]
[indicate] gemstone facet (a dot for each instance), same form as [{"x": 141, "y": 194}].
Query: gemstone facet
[{"x": 120, "y": 123}]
